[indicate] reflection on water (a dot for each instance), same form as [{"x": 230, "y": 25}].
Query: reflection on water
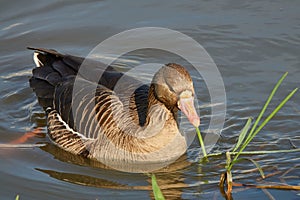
[
  {"x": 170, "y": 178},
  {"x": 253, "y": 44},
  {"x": 79, "y": 160}
]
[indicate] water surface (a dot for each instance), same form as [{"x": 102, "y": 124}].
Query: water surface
[{"x": 253, "y": 44}]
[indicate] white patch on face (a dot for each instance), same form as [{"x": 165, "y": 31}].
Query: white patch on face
[{"x": 186, "y": 94}]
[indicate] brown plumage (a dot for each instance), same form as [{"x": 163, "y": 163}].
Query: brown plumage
[{"x": 138, "y": 127}]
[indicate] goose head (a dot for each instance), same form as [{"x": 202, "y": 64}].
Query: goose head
[{"x": 173, "y": 86}]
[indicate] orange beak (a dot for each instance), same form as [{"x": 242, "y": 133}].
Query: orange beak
[{"x": 186, "y": 105}]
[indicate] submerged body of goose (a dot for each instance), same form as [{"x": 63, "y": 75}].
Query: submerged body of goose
[{"x": 96, "y": 122}]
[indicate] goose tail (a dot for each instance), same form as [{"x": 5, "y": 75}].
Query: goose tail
[{"x": 51, "y": 70}]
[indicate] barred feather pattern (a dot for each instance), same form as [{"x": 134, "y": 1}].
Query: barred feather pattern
[
  {"x": 120, "y": 136},
  {"x": 95, "y": 122},
  {"x": 65, "y": 137},
  {"x": 101, "y": 119}
]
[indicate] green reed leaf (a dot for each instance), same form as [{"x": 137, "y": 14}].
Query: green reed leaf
[
  {"x": 255, "y": 131},
  {"x": 274, "y": 112},
  {"x": 267, "y": 102},
  {"x": 243, "y": 134},
  {"x": 158, "y": 195}
]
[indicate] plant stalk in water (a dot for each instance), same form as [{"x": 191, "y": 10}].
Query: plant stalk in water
[
  {"x": 201, "y": 142},
  {"x": 245, "y": 138},
  {"x": 254, "y": 131}
]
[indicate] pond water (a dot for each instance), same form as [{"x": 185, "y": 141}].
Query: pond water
[{"x": 252, "y": 43}]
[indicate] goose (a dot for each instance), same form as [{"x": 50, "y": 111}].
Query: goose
[{"x": 112, "y": 127}]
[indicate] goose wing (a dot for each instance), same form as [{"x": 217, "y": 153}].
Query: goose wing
[{"x": 76, "y": 116}]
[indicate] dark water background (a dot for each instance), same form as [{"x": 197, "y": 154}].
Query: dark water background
[{"x": 253, "y": 44}]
